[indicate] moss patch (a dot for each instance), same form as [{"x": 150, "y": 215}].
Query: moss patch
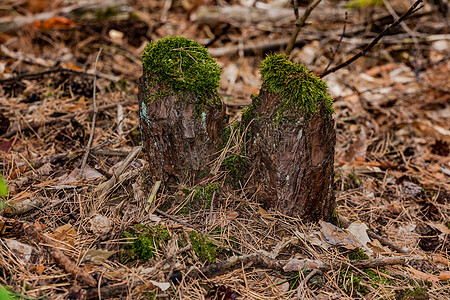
[
  {"x": 299, "y": 88},
  {"x": 183, "y": 65},
  {"x": 146, "y": 241},
  {"x": 203, "y": 248},
  {"x": 357, "y": 254},
  {"x": 201, "y": 197}
]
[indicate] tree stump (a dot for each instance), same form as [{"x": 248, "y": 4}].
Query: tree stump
[
  {"x": 291, "y": 141},
  {"x": 181, "y": 115}
]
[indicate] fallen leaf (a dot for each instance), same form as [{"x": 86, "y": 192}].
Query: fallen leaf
[
  {"x": 163, "y": 286},
  {"x": 359, "y": 230},
  {"x": 338, "y": 237},
  {"x": 394, "y": 208},
  {"x": 265, "y": 214},
  {"x": 376, "y": 247},
  {"x": 97, "y": 256},
  {"x": 444, "y": 275},
  {"x": 422, "y": 275},
  {"x": 231, "y": 215},
  {"x": 66, "y": 234}
]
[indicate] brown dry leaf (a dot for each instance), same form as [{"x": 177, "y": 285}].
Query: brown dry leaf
[
  {"x": 25, "y": 253},
  {"x": 231, "y": 215},
  {"x": 359, "y": 231},
  {"x": 55, "y": 22},
  {"x": 265, "y": 214},
  {"x": 441, "y": 227},
  {"x": 338, "y": 237},
  {"x": 6, "y": 145},
  {"x": 376, "y": 247},
  {"x": 97, "y": 256},
  {"x": 422, "y": 275},
  {"x": 39, "y": 269},
  {"x": 426, "y": 128},
  {"x": 2, "y": 228},
  {"x": 394, "y": 208},
  {"x": 444, "y": 275},
  {"x": 65, "y": 233}
]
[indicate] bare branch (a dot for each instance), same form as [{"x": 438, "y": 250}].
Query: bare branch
[
  {"x": 410, "y": 11},
  {"x": 300, "y": 23}
]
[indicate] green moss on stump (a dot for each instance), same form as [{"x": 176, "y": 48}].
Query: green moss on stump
[
  {"x": 183, "y": 65},
  {"x": 298, "y": 87}
]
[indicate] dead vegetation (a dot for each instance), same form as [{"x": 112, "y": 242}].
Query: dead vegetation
[{"x": 104, "y": 231}]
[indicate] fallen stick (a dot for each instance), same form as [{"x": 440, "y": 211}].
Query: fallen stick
[
  {"x": 60, "y": 258},
  {"x": 261, "y": 258}
]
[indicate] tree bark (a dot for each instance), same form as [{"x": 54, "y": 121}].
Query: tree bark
[
  {"x": 292, "y": 162},
  {"x": 179, "y": 137}
]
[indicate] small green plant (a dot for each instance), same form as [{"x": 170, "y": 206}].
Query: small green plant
[
  {"x": 4, "y": 295},
  {"x": 3, "y": 192},
  {"x": 145, "y": 241},
  {"x": 201, "y": 197}
]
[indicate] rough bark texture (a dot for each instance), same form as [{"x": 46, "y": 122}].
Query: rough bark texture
[
  {"x": 180, "y": 136},
  {"x": 293, "y": 161}
]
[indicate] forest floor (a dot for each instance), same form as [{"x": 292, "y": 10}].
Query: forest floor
[{"x": 70, "y": 230}]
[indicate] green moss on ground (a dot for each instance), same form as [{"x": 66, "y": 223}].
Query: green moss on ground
[
  {"x": 185, "y": 66},
  {"x": 146, "y": 240},
  {"x": 203, "y": 247},
  {"x": 418, "y": 293},
  {"x": 201, "y": 197},
  {"x": 298, "y": 87},
  {"x": 357, "y": 254},
  {"x": 351, "y": 284}
]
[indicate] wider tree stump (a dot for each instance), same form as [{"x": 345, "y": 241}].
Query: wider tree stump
[
  {"x": 180, "y": 113},
  {"x": 291, "y": 141}
]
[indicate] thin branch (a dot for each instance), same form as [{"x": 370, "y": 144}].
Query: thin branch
[
  {"x": 410, "y": 11},
  {"x": 299, "y": 24},
  {"x": 94, "y": 116},
  {"x": 338, "y": 45}
]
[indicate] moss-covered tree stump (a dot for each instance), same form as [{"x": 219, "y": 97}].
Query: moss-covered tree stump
[
  {"x": 180, "y": 113},
  {"x": 291, "y": 141}
]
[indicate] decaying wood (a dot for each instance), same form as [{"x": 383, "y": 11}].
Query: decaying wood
[
  {"x": 178, "y": 143},
  {"x": 261, "y": 258},
  {"x": 293, "y": 162}
]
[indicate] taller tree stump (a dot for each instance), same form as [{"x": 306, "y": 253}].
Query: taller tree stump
[
  {"x": 180, "y": 113},
  {"x": 291, "y": 141}
]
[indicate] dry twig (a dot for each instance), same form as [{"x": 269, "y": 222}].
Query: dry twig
[{"x": 410, "y": 11}]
